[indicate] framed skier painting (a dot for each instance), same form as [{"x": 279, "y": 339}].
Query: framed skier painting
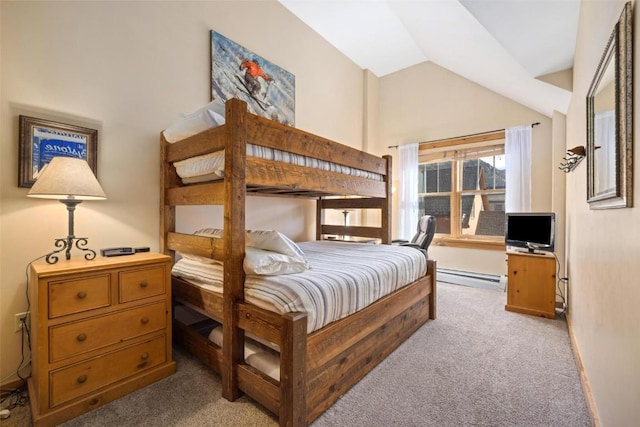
[{"x": 237, "y": 72}]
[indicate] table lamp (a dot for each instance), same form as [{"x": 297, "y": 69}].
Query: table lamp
[{"x": 71, "y": 181}]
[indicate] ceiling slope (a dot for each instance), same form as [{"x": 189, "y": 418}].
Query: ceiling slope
[{"x": 502, "y": 45}]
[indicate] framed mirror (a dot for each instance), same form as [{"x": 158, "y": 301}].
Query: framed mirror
[{"x": 610, "y": 121}]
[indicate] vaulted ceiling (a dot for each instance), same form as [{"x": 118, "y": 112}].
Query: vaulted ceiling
[{"x": 503, "y": 45}]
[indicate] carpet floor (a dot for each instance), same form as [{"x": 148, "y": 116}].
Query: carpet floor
[{"x": 475, "y": 365}]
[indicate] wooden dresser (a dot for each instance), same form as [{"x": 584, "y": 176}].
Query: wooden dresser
[
  {"x": 99, "y": 329},
  {"x": 531, "y": 284}
]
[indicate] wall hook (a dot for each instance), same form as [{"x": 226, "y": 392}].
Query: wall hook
[{"x": 573, "y": 158}]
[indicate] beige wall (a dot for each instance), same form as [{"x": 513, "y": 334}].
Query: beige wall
[
  {"x": 428, "y": 102},
  {"x": 129, "y": 69},
  {"x": 602, "y": 247}
]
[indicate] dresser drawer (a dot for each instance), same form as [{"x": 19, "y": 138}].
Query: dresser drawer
[
  {"x": 143, "y": 283},
  {"x": 80, "y": 379},
  {"x": 80, "y": 337},
  {"x": 78, "y": 295}
]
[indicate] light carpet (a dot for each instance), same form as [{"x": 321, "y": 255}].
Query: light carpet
[{"x": 475, "y": 365}]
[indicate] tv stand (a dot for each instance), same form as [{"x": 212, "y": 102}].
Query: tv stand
[{"x": 531, "y": 280}]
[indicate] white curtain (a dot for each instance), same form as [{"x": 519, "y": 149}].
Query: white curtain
[
  {"x": 605, "y": 156},
  {"x": 517, "y": 147},
  {"x": 408, "y": 194}
]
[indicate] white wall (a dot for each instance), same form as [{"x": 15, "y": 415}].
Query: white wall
[
  {"x": 427, "y": 102},
  {"x": 602, "y": 245},
  {"x": 129, "y": 69}
]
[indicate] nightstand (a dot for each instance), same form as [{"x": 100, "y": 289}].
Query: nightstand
[
  {"x": 531, "y": 283},
  {"x": 100, "y": 329}
]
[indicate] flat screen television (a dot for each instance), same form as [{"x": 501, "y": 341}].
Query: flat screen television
[{"x": 534, "y": 231}]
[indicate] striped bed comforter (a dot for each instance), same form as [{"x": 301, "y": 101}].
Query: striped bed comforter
[{"x": 343, "y": 279}]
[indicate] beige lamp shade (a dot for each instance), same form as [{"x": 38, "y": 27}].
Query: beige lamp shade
[{"x": 67, "y": 178}]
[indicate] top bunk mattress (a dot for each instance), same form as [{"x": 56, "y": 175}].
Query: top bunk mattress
[
  {"x": 210, "y": 167},
  {"x": 343, "y": 278}
]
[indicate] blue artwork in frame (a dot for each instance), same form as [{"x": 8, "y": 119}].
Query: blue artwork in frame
[
  {"x": 237, "y": 72},
  {"x": 42, "y": 140}
]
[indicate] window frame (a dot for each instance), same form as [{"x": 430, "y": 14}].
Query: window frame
[{"x": 450, "y": 149}]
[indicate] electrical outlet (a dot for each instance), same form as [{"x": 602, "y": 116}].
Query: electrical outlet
[{"x": 19, "y": 318}]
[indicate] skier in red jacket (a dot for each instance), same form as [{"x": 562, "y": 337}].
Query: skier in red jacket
[{"x": 253, "y": 70}]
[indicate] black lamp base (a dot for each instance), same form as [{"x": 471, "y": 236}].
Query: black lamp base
[{"x": 66, "y": 244}]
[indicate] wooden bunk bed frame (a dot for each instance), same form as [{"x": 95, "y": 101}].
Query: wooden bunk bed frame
[{"x": 316, "y": 368}]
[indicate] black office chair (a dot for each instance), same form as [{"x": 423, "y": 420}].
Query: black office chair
[{"x": 424, "y": 235}]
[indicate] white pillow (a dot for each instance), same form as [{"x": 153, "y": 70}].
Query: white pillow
[
  {"x": 269, "y": 240},
  {"x": 267, "y": 252},
  {"x": 268, "y": 263},
  {"x": 274, "y": 241},
  {"x": 190, "y": 124}
]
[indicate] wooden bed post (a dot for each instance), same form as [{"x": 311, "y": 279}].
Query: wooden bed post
[
  {"x": 293, "y": 365},
  {"x": 234, "y": 237},
  {"x": 168, "y": 179},
  {"x": 387, "y": 206},
  {"x": 431, "y": 269},
  {"x": 319, "y": 218}
]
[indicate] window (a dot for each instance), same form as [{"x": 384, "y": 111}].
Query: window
[{"x": 462, "y": 184}]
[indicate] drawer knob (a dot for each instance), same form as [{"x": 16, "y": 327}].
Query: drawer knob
[
  {"x": 81, "y": 337},
  {"x": 82, "y": 379},
  {"x": 82, "y": 295},
  {"x": 94, "y": 401},
  {"x": 144, "y": 284},
  {"x": 144, "y": 320},
  {"x": 144, "y": 356}
]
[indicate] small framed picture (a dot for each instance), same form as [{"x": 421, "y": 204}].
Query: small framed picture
[{"x": 41, "y": 140}]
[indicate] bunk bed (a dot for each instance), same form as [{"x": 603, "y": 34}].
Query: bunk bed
[{"x": 315, "y": 367}]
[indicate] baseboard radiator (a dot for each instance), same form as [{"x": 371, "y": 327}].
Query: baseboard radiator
[{"x": 473, "y": 279}]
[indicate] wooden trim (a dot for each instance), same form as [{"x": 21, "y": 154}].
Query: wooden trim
[
  {"x": 324, "y": 344},
  {"x": 451, "y": 142},
  {"x": 198, "y": 194},
  {"x": 586, "y": 387},
  {"x": 353, "y": 203},
  {"x": 196, "y": 296},
  {"x": 387, "y": 208},
  {"x": 168, "y": 179},
  {"x": 432, "y": 270},
  {"x": 319, "y": 218},
  {"x": 206, "y": 351},
  {"x": 259, "y": 386},
  {"x": 260, "y": 322},
  {"x": 358, "y": 231},
  {"x": 196, "y": 245},
  {"x": 494, "y": 245},
  {"x": 235, "y": 165},
  {"x": 209, "y": 141},
  {"x": 293, "y": 370},
  {"x": 455, "y": 200}
]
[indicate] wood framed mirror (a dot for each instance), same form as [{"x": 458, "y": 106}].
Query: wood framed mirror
[{"x": 610, "y": 121}]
